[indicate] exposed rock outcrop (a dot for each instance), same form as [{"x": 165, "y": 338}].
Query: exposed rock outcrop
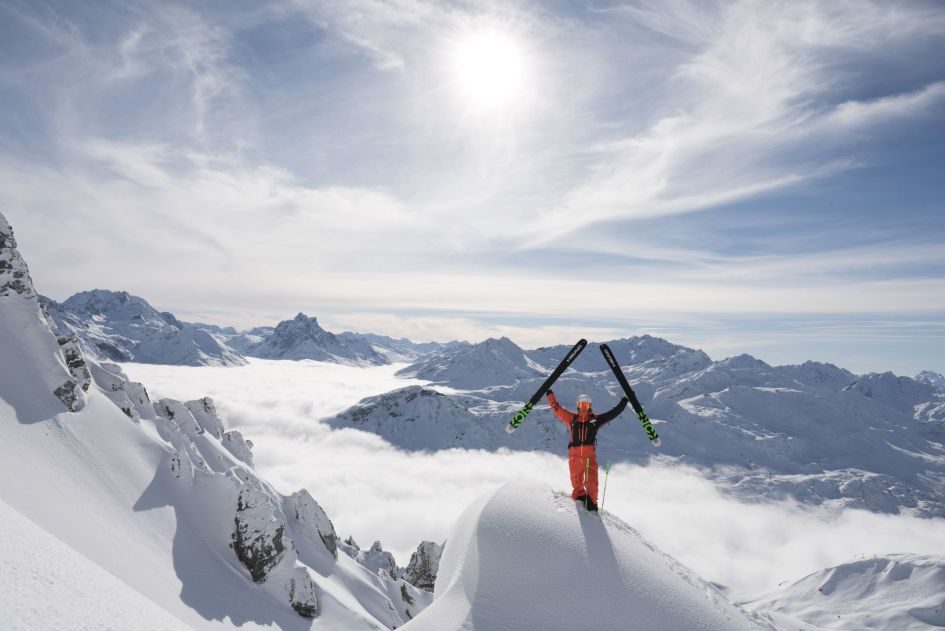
[
  {"x": 257, "y": 537},
  {"x": 423, "y": 566},
  {"x": 14, "y": 274},
  {"x": 65, "y": 375},
  {"x": 310, "y": 517}
]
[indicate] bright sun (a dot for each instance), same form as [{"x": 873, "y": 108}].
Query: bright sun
[{"x": 490, "y": 70}]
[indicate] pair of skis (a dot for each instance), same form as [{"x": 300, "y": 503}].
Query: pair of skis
[{"x": 618, "y": 373}]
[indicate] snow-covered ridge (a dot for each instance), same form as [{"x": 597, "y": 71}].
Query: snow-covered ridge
[
  {"x": 160, "y": 496},
  {"x": 523, "y": 557},
  {"x": 899, "y": 591}
]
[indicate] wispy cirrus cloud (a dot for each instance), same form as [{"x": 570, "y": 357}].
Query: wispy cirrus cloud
[{"x": 761, "y": 104}]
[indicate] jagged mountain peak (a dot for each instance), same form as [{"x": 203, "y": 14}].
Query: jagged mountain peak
[{"x": 303, "y": 338}]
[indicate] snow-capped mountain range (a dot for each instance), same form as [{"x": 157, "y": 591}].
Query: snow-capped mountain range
[
  {"x": 813, "y": 431},
  {"x": 118, "y": 326}
]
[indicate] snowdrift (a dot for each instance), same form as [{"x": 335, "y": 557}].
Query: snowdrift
[{"x": 527, "y": 558}]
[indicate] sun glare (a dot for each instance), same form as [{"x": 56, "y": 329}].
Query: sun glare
[{"x": 489, "y": 68}]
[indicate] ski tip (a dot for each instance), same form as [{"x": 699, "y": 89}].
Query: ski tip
[
  {"x": 655, "y": 442},
  {"x": 509, "y": 428}
]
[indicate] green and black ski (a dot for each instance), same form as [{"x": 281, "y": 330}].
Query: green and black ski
[
  {"x": 521, "y": 414},
  {"x": 631, "y": 395}
]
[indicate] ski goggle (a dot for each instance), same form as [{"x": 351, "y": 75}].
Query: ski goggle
[{"x": 584, "y": 405}]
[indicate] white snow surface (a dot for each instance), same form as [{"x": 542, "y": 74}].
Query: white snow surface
[
  {"x": 528, "y": 559},
  {"x": 46, "y": 584},
  {"x": 902, "y": 591}
]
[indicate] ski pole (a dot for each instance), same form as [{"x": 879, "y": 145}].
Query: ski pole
[
  {"x": 587, "y": 482},
  {"x": 603, "y": 495}
]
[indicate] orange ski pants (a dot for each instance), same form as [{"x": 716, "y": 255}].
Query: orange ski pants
[{"x": 583, "y": 464}]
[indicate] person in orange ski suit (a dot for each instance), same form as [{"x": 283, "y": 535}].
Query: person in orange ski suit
[{"x": 582, "y": 455}]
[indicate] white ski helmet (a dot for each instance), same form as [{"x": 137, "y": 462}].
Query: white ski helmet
[{"x": 585, "y": 400}]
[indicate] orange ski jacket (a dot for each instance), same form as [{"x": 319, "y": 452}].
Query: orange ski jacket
[{"x": 583, "y": 426}]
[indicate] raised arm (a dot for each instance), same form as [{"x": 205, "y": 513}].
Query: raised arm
[
  {"x": 611, "y": 414},
  {"x": 564, "y": 415}
]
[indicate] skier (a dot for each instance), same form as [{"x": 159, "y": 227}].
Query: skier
[{"x": 582, "y": 456}]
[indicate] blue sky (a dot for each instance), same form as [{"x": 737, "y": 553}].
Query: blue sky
[{"x": 760, "y": 177}]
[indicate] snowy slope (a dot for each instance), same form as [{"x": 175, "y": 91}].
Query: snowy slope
[
  {"x": 901, "y": 591},
  {"x": 526, "y": 558},
  {"x": 46, "y": 580},
  {"x": 303, "y": 338},
  {"x": 158, "y": 497},
  {"x": 117, "y": 326}
]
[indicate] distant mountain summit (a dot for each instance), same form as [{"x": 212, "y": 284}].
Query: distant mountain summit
[
  {"x": 469, "y": 367},
  {"x": 302, "y": 338},
  {"x": 118, "y": 326},
  {"x": 934, "y": 379}
]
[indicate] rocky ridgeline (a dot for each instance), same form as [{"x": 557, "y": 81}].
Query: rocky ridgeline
[
  {"x": 15, "y": 282},
  {"x": 275, "y": 538},
  {"x": 14, "y": 274}
]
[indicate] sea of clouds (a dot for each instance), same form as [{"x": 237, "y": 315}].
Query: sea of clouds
[{"x": 372, "y": 490}]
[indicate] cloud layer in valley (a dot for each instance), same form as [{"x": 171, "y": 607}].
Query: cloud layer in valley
[{"x": 374, "y": 491}]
